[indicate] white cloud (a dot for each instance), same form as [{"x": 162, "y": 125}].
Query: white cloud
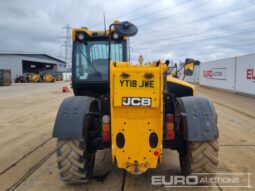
[{"x": 191, "y": 27}]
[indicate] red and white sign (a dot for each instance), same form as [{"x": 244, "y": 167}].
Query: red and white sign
[
  {"x": 250, "y": 75},
  {"x": 218, "y": 74},
  {"x": 215, "y": 73},
  {"x": 245, "y": 74}
]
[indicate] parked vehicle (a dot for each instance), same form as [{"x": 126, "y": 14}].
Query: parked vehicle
[
  {"x": 137, "y": 111},
  {"x": 47, "y": 77},
  {"x": 21, "y": 79},
  {"x": 57, "y": 75}
]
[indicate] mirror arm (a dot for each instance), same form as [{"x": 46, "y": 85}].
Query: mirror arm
[{"x": 180, "y": 69}]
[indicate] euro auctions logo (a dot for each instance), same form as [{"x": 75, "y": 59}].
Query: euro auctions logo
[
  {"x": 215, "y": 74},
  {"x": 239, "y": 180},
  {"x": 208, "y": 73},
  {"x": 250, "y": 74}
]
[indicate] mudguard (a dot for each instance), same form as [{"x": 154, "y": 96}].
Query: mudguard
[
  {"x": 72, "y": 116},
  {"x": 199, "y": 118}
]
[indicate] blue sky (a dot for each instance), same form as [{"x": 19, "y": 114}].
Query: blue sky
[{"x": 168, "y": 29}]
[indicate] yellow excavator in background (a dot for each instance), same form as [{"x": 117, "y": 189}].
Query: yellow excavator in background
[
  {"x": 47, "y": 77},
  {"x": 33, "y": 77}
]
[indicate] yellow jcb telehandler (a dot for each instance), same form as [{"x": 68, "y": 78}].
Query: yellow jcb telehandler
[{"x": 135, "y": 110}]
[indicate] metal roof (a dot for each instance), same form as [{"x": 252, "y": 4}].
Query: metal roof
[{"x": 32, "y": 55}]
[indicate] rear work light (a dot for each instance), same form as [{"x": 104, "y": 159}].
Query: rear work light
[{"x": 81, "y": 36}]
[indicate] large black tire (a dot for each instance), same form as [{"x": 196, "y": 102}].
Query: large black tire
[
  {"x": 200, "y": 157},
  {"x": 75, "y": 165}
]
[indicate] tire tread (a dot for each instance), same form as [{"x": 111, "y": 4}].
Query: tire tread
[
  {"x": 71, "y": 162},
  {"x": 200, "y": 157}
]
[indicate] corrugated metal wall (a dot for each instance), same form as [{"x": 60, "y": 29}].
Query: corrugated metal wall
[{"x": 14, "y": 62}]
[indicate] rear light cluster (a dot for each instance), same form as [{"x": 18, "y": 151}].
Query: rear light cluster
[
  {"x": 169, "y": 126},
  {"x": 106, "y": 128}
]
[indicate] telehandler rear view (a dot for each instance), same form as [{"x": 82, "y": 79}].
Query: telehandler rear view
[{"x": 136, "y": 110}]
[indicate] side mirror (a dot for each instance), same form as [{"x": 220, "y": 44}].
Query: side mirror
[
  {"x": 197, "y": 62},
  {"x": 167, "y": 62},
  {"x": 126, "y": 29},
  {"x": 189, "y": 67}
]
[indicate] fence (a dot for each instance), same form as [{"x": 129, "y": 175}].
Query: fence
[{"x": 234, "y": 74}]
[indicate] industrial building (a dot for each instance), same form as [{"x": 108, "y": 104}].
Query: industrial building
[{"x": 20, "y": 63}]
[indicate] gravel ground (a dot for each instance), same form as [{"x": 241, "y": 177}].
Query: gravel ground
[{"x": 27, "y": 159}]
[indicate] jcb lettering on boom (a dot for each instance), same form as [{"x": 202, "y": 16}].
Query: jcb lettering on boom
[{"x": 134, "y": 83}]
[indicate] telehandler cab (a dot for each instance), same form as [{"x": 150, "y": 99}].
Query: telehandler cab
[{"x": 136, "y": 110}]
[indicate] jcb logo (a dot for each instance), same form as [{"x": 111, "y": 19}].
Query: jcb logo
[{"x": 136, "y": 101}]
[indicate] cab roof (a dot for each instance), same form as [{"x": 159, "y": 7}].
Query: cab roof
[{"x": 90, "y": 33}]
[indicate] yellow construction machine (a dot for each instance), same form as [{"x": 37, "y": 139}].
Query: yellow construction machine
[
  {"x": 57, "y": 75},
  {"x": 47, "y": 77},
  {"x": 135, "y": 110},
  {"x": 33, "y": 77}
]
